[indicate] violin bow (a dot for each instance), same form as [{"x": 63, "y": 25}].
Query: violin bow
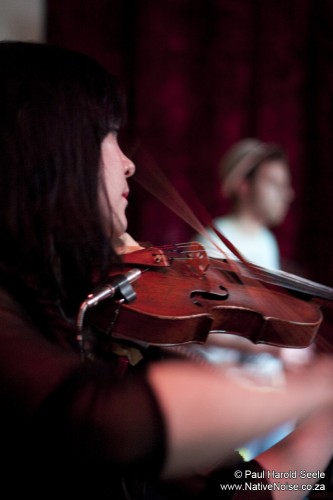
[{"x": 153, "y": 180}]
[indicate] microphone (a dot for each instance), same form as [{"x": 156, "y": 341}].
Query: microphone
[{"x": 119, "y": 284}]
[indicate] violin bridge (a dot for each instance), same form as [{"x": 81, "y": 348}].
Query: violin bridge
[{"x": 197, "y": 258}]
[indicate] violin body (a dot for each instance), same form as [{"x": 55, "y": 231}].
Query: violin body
[{"x": 182, "y": 296}]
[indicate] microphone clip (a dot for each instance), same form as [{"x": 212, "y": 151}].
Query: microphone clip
[{"x": 119, "y": 287}]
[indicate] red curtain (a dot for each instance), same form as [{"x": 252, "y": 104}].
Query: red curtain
[{"x": 201, "y": 74}]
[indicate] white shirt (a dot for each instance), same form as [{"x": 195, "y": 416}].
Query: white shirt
[{"x": 260, "y": 248}]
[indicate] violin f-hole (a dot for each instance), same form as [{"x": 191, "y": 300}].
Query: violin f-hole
[{"x": 196, "y": 295}]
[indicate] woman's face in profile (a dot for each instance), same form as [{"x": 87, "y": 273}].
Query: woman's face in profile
[{"x": 115, "y": 169}]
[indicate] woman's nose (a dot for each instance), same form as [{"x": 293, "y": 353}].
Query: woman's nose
[{"x": 128, "y": 166}]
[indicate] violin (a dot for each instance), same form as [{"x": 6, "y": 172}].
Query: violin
[{"x": 182, "y": 295}]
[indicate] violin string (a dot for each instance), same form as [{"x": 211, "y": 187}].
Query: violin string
[
  {"x": 264, "y": 274},
  {"x": 159, "y": 186},
  {"x": 151, "y": 178},
  {"x": 291, "y": 281},
  {"x": 155, "y": 182},
  {"x": 275, "y": 277}
]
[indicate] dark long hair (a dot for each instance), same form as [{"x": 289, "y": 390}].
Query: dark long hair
[{"x": 56, "y": 106}]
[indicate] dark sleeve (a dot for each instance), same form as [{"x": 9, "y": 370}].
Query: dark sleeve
[
  {"x": 56, "y": 410},
  {"x": 106, "y": 421}
]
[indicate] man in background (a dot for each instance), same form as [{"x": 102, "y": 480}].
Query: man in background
[{"x": 255, "y": 178}]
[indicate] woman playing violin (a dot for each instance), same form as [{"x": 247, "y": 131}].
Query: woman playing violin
[{"x": 162, "y": 429}]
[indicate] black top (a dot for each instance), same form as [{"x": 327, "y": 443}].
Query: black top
[{"x": 79, "y": 429}]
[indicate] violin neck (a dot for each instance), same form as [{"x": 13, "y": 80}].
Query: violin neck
[{"x": 289, "y": 281}]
